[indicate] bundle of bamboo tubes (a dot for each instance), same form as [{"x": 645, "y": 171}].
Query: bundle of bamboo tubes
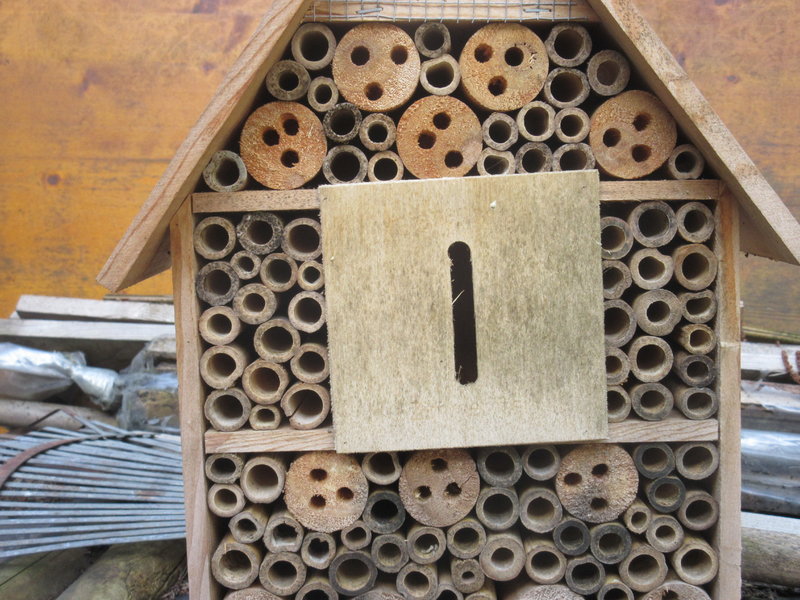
[
  {"x": 507, "y": 522},
  {"x": 381, "y": 102}
]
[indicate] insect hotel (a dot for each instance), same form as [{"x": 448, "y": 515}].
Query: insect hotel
[{"x": 457, "y": 308}]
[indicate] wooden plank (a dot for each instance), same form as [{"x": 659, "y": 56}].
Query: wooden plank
[
  {"x": 766, "y": 360},
  {"x": 200, "y": 526},
  {"x": 284, "y": 439},
  {"x": 694, "y": 115},
  {"x": 141, "y": 251},
  {"x": 397, "y": 373},
  {"x": 771, "y": 549},
  {"x": 703, "y": 189},
  {"x": 770, "y": 406},
  {"x": 83, "y": 309},
  {"x": 727, "y": 485}
]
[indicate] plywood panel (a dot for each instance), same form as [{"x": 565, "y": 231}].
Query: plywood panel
[{"x": 535, "y": 260}]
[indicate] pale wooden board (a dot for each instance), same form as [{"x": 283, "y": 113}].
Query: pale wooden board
[
  {"x": 80, "y": 309},
  {"x": 535, "y": 248}
]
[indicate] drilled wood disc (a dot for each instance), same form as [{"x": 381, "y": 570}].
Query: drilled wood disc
[
  {"x": 283, "y": 145},
  {"x": 632, "y": 135},
  {"x": 376, "y": 66},
  {"x": 503, "y": 66},
  {"x": 439, "y": 136}
]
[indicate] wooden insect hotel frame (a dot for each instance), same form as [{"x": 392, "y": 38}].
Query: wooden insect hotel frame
[{"x": 457, "y": 308}]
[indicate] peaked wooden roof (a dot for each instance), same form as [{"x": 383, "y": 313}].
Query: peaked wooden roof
[{"x": 769, "y": 229}]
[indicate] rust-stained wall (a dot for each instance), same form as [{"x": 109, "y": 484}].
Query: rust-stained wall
[{"x": 97, "y": 94}]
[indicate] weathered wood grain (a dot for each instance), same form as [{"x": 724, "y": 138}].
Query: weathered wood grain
[{"x": 79, "y": 309}]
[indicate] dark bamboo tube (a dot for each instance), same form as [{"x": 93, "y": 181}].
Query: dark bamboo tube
[
  {"x": 696, "y": 370},
  {"x": 536, "y": 121},
  {"x": 283, "y": 532},
  {"x": 699, "y": 511},
  {"x": 637, "y": 517},
  {"x": 617, "y": 366},
  {"x": 651, "y": 401},
  {"x": 384, "y": 511},
  {"x": 316, "y": 587},
  {"x": 467, "y": 575},
  {"x": 224, "y": 467},
  {"x": 245, "y": 264},
  {"x": 487, "y": 592},
  {"x": 260, "y": 232},
  {"x": 225, "y": 172},
  {"x": 653, "y": 223},
  {"x": 378, "y": 132},
  {"x": 499, "y": 466},
  {"x": 282, "y": 573},
  {"x": 533, "y": 157},
  {"x": 389, "y": 552},
  {"x": 665, "y": 494},
  {"x": 497, "y": 508},
  {"x": 609, "y": 542},
  {"x": 539, "y": 509},
  {"x": 432, "y": 39},
  {"x": 426, "y": 545},
  {"x": 685, "y": 162},
  {"x": 466, "y": 538},
  {"x": 568, "y": 44},
  {"x": 696, "y": 338},
  {"x": 696, "y": 460},
  {"x": 445, "y": 589},
  {"x": 287, "y": 80},
  {"x": 584, "y": 575},
  {"x": 216, "y": 283},
  {"x": 418, "y": 582},
  {"x": 665, "y": 534},
  {"x": 618, "y": 402},
  {"x": 695, "y": 402},
  {"x": 654, "y": 459},
  {"x": 318, "y": 550},
  {"x": 565, "y": 87},
  {"x": 695, "y": 561},
  {"x": 322, "y": 94},
  {"x": 616, "y": 279},
  {"x": 541, "y": 462},
  {"x": 614, "y": 589},
  {"x": 695, "y": 222},
  {"x": 544, "y": 563},
  {"x": 695, "y": 266},
  {"x": 644, "y": 568},
  {"x": 651, "y": 358},
  {"x": 247, "y": 526},
  {"x": 619, "y": 322},
  {"x": 381, "y": 468},
  {"x": 352, "y": 573},
  {"x": 608, "y": 72},
  {"x": 503, "y": 556},
  {"x": 356, "y": 536},
  {"x": 301, "y": 239},
  {"x": 571, "y": 536},
  {"x": 342, "y": 122}
]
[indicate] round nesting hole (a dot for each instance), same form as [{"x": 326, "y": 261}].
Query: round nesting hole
[
  {"x": 654, "y": 459},
  {"x": 536, "y": 121},
  {"x": 217, "y": 282},
  {"x": 236, "y": 563},
  {"x": 304, "y": 238},
  {"x": 640, "y": 153},
  {"x": 225, "y": 499},
  {"x": 317, "y": 501},
  {"x": 423, "y": 492},
  {"x": 399, "y": 55},
  {"x": 432, "y": 39},
  {"x": 545, "y": 563},
  {"x": 571, "y": 125},
  {"x": 265, "y": 379},
  {"x": 377, "y": 132},
  {"x": 696, "y": 563},
  {"x": 651, "y": 268},
  {"x": 254, "y": 303},
  {"x": 417, "y": 583},
  {"x": 641, "y": 121},
  {"x": 466, "y": 538},
  {"x": 572, "y": 479},
  {"x": 389, "y": 553},
  {"x": 598, "y": 504},
  {"x": 699, "y": 401},
  {"x": 495, "y": 165},
  {"x": 699, "y": 511},
  {"x": 650, "y": 357},
  {"x": 497, "y": 85},
  {"x": 438, "y": 464},
  {"x": 214, "y": 236},
  {"x": 612, "y": 277},
  {"x": 499, "y": 507},
  {"x": 440, "y": 75},
  {"x": 323, "y": 93},
  {"x": 314, "y": 46},
  {"x": 453, "y": 159},
  {"x": 290, "y": 125},
  {"x": 694, "y": 265},
  {"x": 499, "y": 131},
  {"x": 343, "y": 122},
  {"x": 613, "y": 364},
  {"x": 277, "y": 339},
  {"x": 685, "y": 162},
  {"x": 373, "y": 91},
  {"x": 514, "y": 56},
  {"x": 615, "y": 401},
  {"x": 585, "y": 575},
  {"x": 452, "y": 489},
  {"x": 611, "y": 137},
  {"x": 611, "y": 543},
  {"x": 382, "y": 463},
  {"x": 426, "y": 140},
  {"x": 540, "y": 509},
  {"x": 608, "y": 72},
  {"x": 345, "y": 494},
  {"x": 385, "y": 169},
  {"x": 483, "y": 53},
  {"x": 698, "y": 459},
  {"x": 352, "y": 574},
  {"x": 228, "y": 409},
  {"x": 223, "y": 467},
  {"x": 222, "y": 365},
  {"x": 533, "y": 160},
  {"x": 616, "y": 321},
  {"x": 227, "y": 172},
  {"x": 345, "y": 166},
  {"x": 658, "y": 312},
  {"x": 259, "y": 232},
  {"x": 600, "y": 470},
  {"x": 318, "y": 474},
  {"x": 288, "y": 81},
  {"x": 499, "y": 463},
  {"x": 220, "y": 324},
  {"x": 573, "y": 160},
  {"x": 359, "y": 56},
  {"x": 697, "y": 370},
  {"x": 566, "y": 86},
  {"x": 271, "y": 137},
  {"x": 502, "y": 558},
  {"x": 568, "y": 43}
]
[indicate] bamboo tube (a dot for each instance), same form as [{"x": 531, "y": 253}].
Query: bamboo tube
[
  {"x": 245, "y": 264},
  {"x": 219, "y": 325},
  {"x": 322, "y": 94},
  {"x": 283, "y": 146},
  {"x": 541, "y": 462},
  {"x": 276, "y": 340},
  {"x": 665, "y": 534},
  {"x": 432, "y": 39},
  {"x": 696, "y": 338},
  {"x": 698, "y": 307},
  {"x": 342, "y": 122},
  {"x": 263, "y": 478},
  {"x": 539, "y": 509},
  {"x": 619, "y": 322},
  {"x": 247, "y": 526},
  {"x": 544, "y": 563},
  {"x": 224, "y": 467},
  {"x": 568, "y": 45},
  {"x": 440, "y": 76},
  {"x": 254, "y": 303},
  {"x": 313, "y": 45},
  {"x": 665, "y": 494},
  {"x": 225, "y": 172},
  {"x": 609, "y": 542},
  {"x": 657, "y": 311},
  {"x": 377, "y": 132},
  {"x": 499, "y": 466},
  {"x": 643, "y": 569},
  {"x": 316, "y": 587},
  {"x": 356, "y": 536},
  {"x": 216, "y": 283},
  {"x": 695, "y": 562},
  {"x": 608, "y": 72},
  {"x": 697, "y": 460},
  {"x": 318, "y": 550},
  {"x": 499, "y": 131},
  {"x": 439, "y": 487},
  {"x": 384, "y": 589},
  {"x": 573, "y": 157},
  {"x": 617, "y": 366},
  {"x": 214, "y": 238},
  {"x": 533, "y": 157},
  {"x": 650, "y": 269},
  {"x": 306, "y": 405},
  {"x": 637, "y": 517},
  {"x": 438, "y": 136},
  {"x": 283, "y": 532},
  {"x": 426, "y": 545},
  {"x": 677, "y": 589},
  {"x": 651, "y": 401},
  {"x": 614, "y": 589},
  {"x": 221, "y": 366},
  {"x": 225, "y": 499},
  {"x": 260, "y": 232},
  {"x": 487, "y": 592},
  {"x": 524, "y": 590},
  {"x": 310, "y": 276},
  {"x": 651, "y": 358},
  {"x": 418, "y": 582},
  {"x": 265, "y": 418},
  {"x": 310, "y": 363},
  {"x": 345, "y": 164},
  {"x": 695, "y": 266},
  {"x": 497, "y": 508},
  {"x": 467, "y": 575},
  {"x": 389, "y": 552},
  {"x": 695, "y": 222},
  {"x": 584, "y": 575},
  {"x": 616, "y": 238},
  {"x": 571, "y": 536},
  {"x": 654, "y": 459},
  {"x": 235, "y": 565},
  {"x": 696, "y": 370},
  {"x": 302, "y": 238},
  {"x": 466, "y": 538},
  {"x": 307, "y": 311},
  {"x": 572, "y": 125},
  {"x": 385, "y": 166},
  {"x": 326, "y": 491},
  {"x": 695, "y": 402},
  {"x": 384, "y": 512},
  {"x": 503, "y": 556},
  {"x": 227, "y": 410},
  {"x": 503, "y": 66},
  {"x": 597, "y": 482},
  {"x": 566, "y": 88},
  {"x": 282, "y": 573},
  {"x": 264, "y": 382},
  {"x": 381, "y": 468},
  {"x": 685, "y": 162},
  {"x": 278, "y": 272},
  {"x": 494, "y": 162},
  {"x": 653, "y": 223},
  {"x": 536, "y": 121},
  {"x": 632, "y": 134},
  {"x": 618, "y": 402},
  {"x": 287, "y": 80},
  {"x": 445, "y": 590},
  {"x": 699, "y": 511}
]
